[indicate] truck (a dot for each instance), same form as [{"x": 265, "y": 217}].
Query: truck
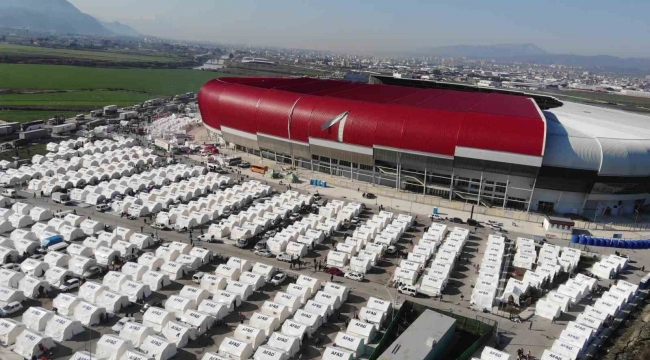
[
  {"x": 110, "y": 110},
  {"x": 80, "y": 117},
  {"x": 165, "y": 145},
  {"x": 128, "y": 115},
  {"x": 64, "y": 128},
  {"x": 96, "y": 113},
  {"x": 32, "y": 125},
  {"x": 37, "y": 134},
  {"x": 60, "y": 198}
]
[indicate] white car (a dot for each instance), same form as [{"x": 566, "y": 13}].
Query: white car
[
  {"x": 14, "y": 267},
  {"x": 407, "y": 290},
  {"x": 10, "y": 308},
  {"x": 263, "y": 253},
  {"x": 354, "y": 275},
  {"x": 120, "y": 324},
  {"x": 278, "y": 278},
  {"x": 196, "y": 278},
  {"x": 70, "y": 285}
]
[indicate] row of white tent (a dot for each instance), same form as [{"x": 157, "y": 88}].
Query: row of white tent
[
  {"x": 22, "y": 215},
  {"x": 608, "y": 267},
  {"x": 575, "y": 338},
  {"x": 487, "y": 282},
  {"x": 104, "y": 145},
  {"x": 168, "y": 127}
]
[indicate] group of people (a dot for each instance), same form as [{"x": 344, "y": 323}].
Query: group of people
[{"x": 521, "y": 354}]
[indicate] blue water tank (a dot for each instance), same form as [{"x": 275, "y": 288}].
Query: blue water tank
[
  {"x": 599, "y": 242},
  {"x": 583, "y": 240},
  {"x": 591, "y": 241},
  {"x": 574, "y": 239},
  {"x": 614, "y": 243},
  {"x": 324, "y": 183},
  {"x": 52, "y": 240},
  {"x": 622, "y": 244},
  {"x": 311, "y": 182},
  {"x": 608, "y": 242}
]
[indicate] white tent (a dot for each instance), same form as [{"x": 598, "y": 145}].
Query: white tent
[
  {"x": 135, "y": 333},
  {"x": 178, "y": 305},
  {"x": 335, "y": 353},
  {"x": 106, "y": 256},
  {"x": 235, "y": 349},
  {"x": 10, "y": 278},
  {"x": 73, "y": 220},
  {"x": 61, "y": 328},
  {"x": 574, "y": 338},
  {"x": 295, "y": 329},
  {"x": 55, "y": 258},
  {"x": 152, "y": 262},
  {"x": 241, "y": 264},
  {"x": 319, "y": 308},
  {"x": 405, "y": 276},
  {"x": 213, "y": 356},
  {"x": 33, "y": 287},
  {"x": 85, "y": 355},
  {"x": 303, "y": 292},
  {"x": 194, "y": 293},
  {"x": 36, "y": 318},
  {"x": 40, "y": 214},
  {"x": 8, "y": 295},
  {"x": 8, "y": 255},
  {"x": 112, "y": 347},
  {"x": 239, "y": 288},
  {"x": 80, "y": 250},
  {"x": 141, "y": 241},
  {"x": 256, "y": 281},
  {"x": 155, "y": 280},
  {"x": 350, "y": 342},
  {"x": 198, "y": 320},
  {"x": 167, "y": 253},
  {"x": 214, "y": 309},
  {"x": 334, "y": 301},
  {"x": 589, "y": 321},
  {"x": 550, "y": 355},
  {"x": 34, "y": 267},
  {"x": 206, "y": 256},
  {"x": 213, "y": 283},
  {"x": 276, "y": 310},
  {"x": 494, "y": 354},
  {"x": 27, "y": 344},
  {"x": 135, "y": 291},
  {"x": 91, "y": 227},
  {"x": 269, "y": 353},
  {"x": 190, "y": 261},
  {"x": 563, "y": 301},
  {"x": 372, "y": 316},
  {"x": 65, "y": 304},
  {"x": 113, "y": 280},
  {"x": 296, "y": 249},
  {"x": 264, "y": 270},
  {"x": 9, "y": 331},
  {"x": 228, "y": 272},
  {"x": 292, "y": 302},
  {"x": 88, "y": 314},
  {"x": 484, "y": 299},
  {"x": 603, "y": 270},
  {"x": 90, "y": 291},
  {"x": 286, "y": 343},
  {"x": 547, "y": 309},
  {"x": 229, "y": 299},
  {"x": 313, "y": 321},
  {"x": 565, "y": 349},
  {"x": 23, "y": 246},
  {"x": 266, "y": 323},
  {"x": 174, "y": 270},
  {"x": 125, "y": 248},
  {"x": 249, "y": 334},
  {"x": 178, "y": 333},
  {"x": 80, "y": 264},
  {"x": 134, "y": 270},
  {"x": 156, "y": 318},
  {"x": 337, "y": 258},
  {"x": 123, "y": 233},
  {"x": 113, "y": 302},
  {"x": 432, "y": 285}
]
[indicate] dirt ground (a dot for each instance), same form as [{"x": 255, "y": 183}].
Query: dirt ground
[{"x": 633, "y": 343}]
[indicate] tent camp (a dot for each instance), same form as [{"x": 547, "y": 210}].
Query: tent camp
[
  {"x": 112, "y": 347},
  {"x": 135, "y": 291},
  {"x": 178, "y": 333},
  {"x": 350, "y": 342},
  {"x": 268, "y": 353},
  {"x": 256, "y": 281},
  {"x": 134, "y": 270},
  {"x": 10, "y": 278},
  {"x": 229, "y": 299},
  {"x": 135, "y": 333},
  {"x": 241, "y": 289},
  {"x": 547, "y": 309},
  {"x": 60, "y": 328},
  {"x": 156, "y": 318},
  {"x": 295, "y": 329},
  {"x": 249, "y": 334},
  {"x": 194, "y": 293},
  {"x": 113, "y": 280},
  {"x": 335, "y": 353},
  {"x": 141, "y": 241},
  {"x": 216, "y": 310},
  {"x": 9, "y": 331},
  {"x": 228, "y": 272},
  {"x": 29, "y": 344},
  {"x": 65, "y": 304},
  {"x": 156, "y": 280},
  {"x": 235, "y": 349},
  {"x": 36, "y": 318},
  {"x": 313, "y": 321},
  {"x": 33, "y": 287}
]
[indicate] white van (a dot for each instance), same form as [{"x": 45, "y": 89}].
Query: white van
[
  {"x": 409, "y": 290},
  {"x": 10, "y": 193},
  {"x": 102, "y": 207}
]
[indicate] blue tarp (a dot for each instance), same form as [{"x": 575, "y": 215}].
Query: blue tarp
[{"x": 55, "y": 239}]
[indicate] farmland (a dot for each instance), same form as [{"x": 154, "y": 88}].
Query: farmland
[
  {"x": 74, "y": 98},
  {"x": 28, "y": 115},
  {"x": 20, "y": 51}
]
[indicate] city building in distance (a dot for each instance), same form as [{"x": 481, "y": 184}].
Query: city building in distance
[{"x": 473, "y": 144}]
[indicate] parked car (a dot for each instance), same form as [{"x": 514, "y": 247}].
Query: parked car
[
  {"x": 208, "y": 238},
  {"x": 102, "y": 207},
  {"x": 14, "y": 267},
  {"x": 391, "y": 250},
  {"x": 354, "y": 275},
  {"x": 278, "y": 278},
  {"x": 154, "y": 302},
  {"x": 244, "y": 165},
  {"x": 285, "y": 257},
  {"x": 11, "y": 308},
  {"x": 196, "y": 278},
  {"x": 263, "y": 253},
  {"x": 120, "y": 324},
  {"x": 334, "y": 271},
  {"x": 38, "y": 257},
  {"x": 407, "y": 290},
  {"x": 93, "y": 272},
  {"x": 261, "y": 245},
  {"x": 70, "y": 285}
]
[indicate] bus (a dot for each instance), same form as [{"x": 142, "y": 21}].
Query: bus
[
  {"x": 261, "y": 169},
  {"x": 232, "y": 160}
]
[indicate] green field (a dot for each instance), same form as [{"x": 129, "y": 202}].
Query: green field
[
  {"x": 28, "y": 115},
  {"x": 55, "y": 77},
  {"x": 104, "y": 56},
  {"x": 75, "y": 98},
  {"x": 622, "y": 102}
]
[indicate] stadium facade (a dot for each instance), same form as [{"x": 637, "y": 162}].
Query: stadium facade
[{"x": 504, "y": 149}]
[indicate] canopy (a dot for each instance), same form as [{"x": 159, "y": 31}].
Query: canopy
[
  {"x": 249, "y": 334},
  {"x": 156, "y": 318}
]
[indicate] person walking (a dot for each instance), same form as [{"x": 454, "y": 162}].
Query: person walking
[{"x": 332, "y": 278}]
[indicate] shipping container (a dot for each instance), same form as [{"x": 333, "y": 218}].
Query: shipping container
[
  {"x": 64, "y": 128},
  {"x": 34, "y": 134}
]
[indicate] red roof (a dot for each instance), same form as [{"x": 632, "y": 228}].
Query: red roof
[{"x": 428, "y": 120}]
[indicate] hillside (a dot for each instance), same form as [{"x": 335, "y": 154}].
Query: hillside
[
  {"x": 120, "y": 29},
  {"x": 58, "y": 16},
  {"x": 485, "y": 51}
]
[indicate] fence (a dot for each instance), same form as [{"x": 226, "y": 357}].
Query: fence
[{"x": 389, "y": 335}]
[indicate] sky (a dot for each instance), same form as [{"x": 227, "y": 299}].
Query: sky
[{"x": 583, "y": 27}]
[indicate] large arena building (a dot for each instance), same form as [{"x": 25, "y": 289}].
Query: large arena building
[{"x": 499, "y": 148}]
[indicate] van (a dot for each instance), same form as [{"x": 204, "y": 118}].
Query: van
[
  {"x": 11, "y": 193},
  {"x": 102, "y": 207},
  {"x": 409, "y": 290},
  {"x": 62, "y": 214},
  {"x": 196, "y": 278},
  {"x": 58, "y": 247}
]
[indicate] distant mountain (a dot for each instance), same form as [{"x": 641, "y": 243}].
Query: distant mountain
[
  {"x": 120, "y": 29},
  {"x": 484, "y": 51},
  {"x": 49, "y": 16}
]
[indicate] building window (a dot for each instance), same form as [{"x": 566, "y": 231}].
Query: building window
[
  {"x": 366, "y": 167},
  {"x": 488, "y": 188},
  {"x": 344, "y": 163}
]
